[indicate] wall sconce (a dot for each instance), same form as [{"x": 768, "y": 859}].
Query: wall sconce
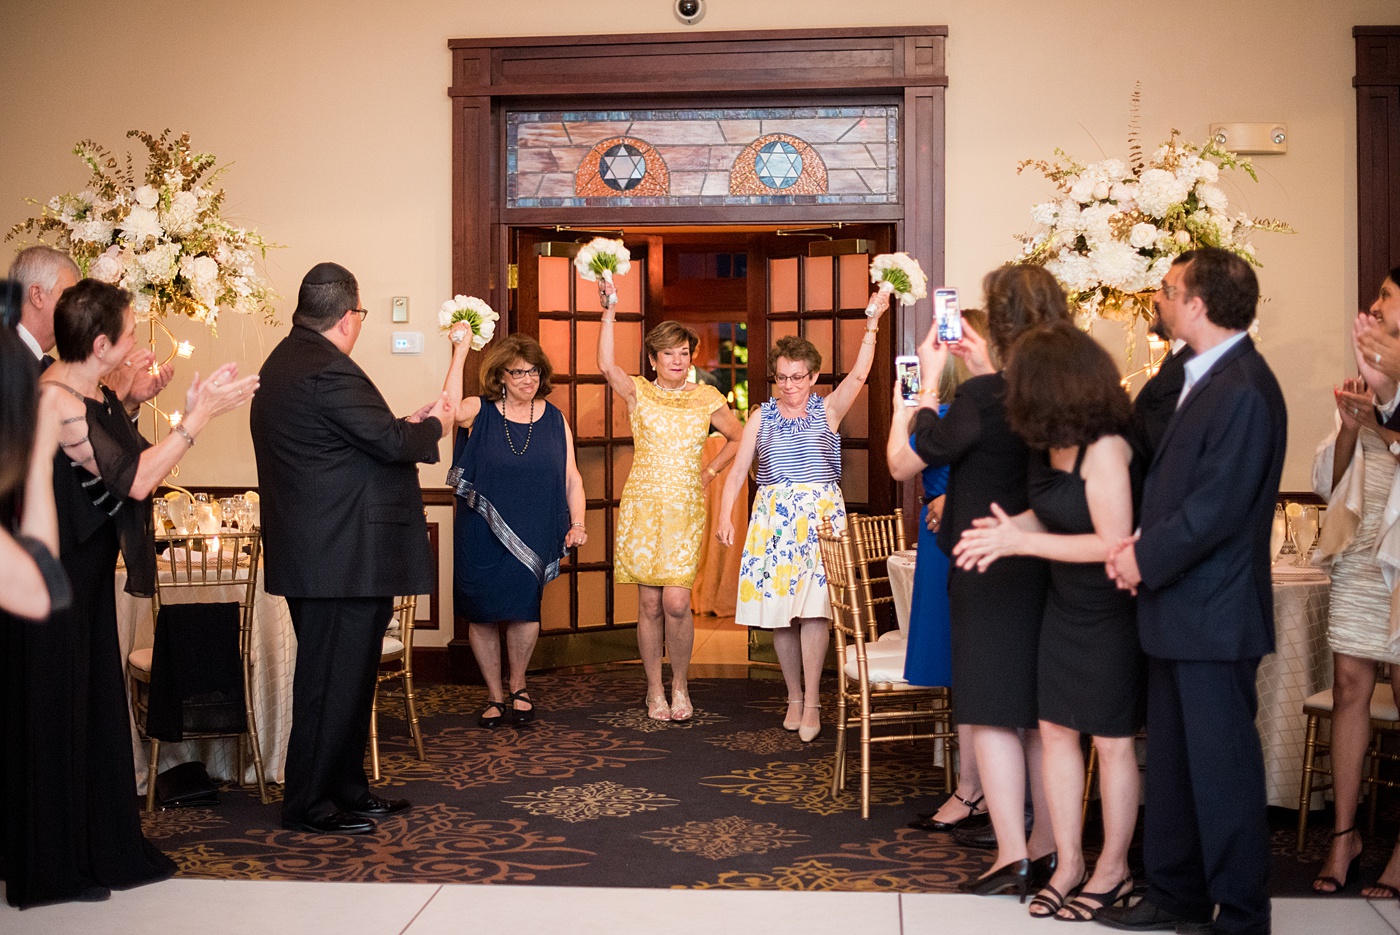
[{"x": 1250, "y": 138}]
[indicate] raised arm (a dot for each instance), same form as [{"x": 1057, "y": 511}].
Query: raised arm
[
  {"x": 738, "y": 476},
  {"x": 619, "y": 379},
  {"x": 903, "y": 461},
  {"x": 840, "y": 401},
  {"x": 464, "y": 409}
]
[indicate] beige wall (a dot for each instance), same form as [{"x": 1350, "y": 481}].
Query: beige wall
[{"x": 336, "y": 121}]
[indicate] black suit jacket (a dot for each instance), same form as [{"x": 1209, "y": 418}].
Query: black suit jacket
[
  {"x": 342, "y": 512},
  {"x": 988, "y": 461},
  {"x": 1207, "y": 507},
  {"x": 1156, "y": 402}
]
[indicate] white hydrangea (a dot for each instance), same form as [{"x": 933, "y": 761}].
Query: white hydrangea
[
  {"x": 1143, "y": 235},
  {"x": 1068, "y": 211},
  {"x": 1074, "y": 271},
  {"x": 1118, "y": 265},
  {"x": 1044, "y": 213},
  {"x": 1158, "y": 190},
  {"x": 141, "y": 305},
  {"x": 93, "y": 230},
  {"x": 160, "y": 263},
  {"x": 1095, "y": 222},
  {"x": 1186, "y": 168},
  {"x": 1211, "y": 196},
  {"x": 1153, "y": 277}
]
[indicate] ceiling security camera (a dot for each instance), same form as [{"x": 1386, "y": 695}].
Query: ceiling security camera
[{"x": 690, "y": 12}]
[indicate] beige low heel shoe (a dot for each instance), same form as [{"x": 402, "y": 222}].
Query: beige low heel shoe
[{"x": 808, "y": 734}]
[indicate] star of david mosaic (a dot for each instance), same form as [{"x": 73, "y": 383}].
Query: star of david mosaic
[
  {"x": 778, "y": 164},
  {"x": 622, "y": 167}
]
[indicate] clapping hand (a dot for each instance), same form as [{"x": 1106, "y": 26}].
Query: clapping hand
[
  {"x": 1121, "y": 565},
  {"x": 989, "y": 538},
  {"x": 222, "y": 391},
  {"x": 133, "y": 380},
  {"x": 1377, "y": 356},
  {"x": 1354, "y": 404}
]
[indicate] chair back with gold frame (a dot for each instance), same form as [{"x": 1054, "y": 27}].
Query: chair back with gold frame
[
  {"x": 875, "y": 539},
  {"x": 397, "y": 653},
  {"x": 221, "y": 568},
  {"x": 866, "y": 691}
]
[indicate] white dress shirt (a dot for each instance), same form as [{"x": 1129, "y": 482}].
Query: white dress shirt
[
  {"x": 1197, "y": 366},
  {"x": 29, "y": 341}
]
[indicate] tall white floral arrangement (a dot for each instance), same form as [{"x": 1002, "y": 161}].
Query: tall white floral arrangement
[
  {"x": 1115, "y": 226},
  {"x": 159, "y": 235}
]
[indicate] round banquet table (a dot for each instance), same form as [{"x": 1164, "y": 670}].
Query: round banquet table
[{"x": 274, "y": 653}]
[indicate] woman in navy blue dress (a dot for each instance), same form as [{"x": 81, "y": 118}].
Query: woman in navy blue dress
[
  {"x": 928, "y": 658},
  {"x": 520, "y": 507}
]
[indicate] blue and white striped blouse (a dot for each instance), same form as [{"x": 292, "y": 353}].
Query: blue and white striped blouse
[{"x": 797, "y": 451}]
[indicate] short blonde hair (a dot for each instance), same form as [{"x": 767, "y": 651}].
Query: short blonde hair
[
  {"x": 667, "y": 335},
  {"x": 502, "y": 353}
]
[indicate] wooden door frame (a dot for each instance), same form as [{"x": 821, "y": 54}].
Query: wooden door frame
[
  {"x": 770, "y": 68},
  {"x": 1377, "y": 85}
]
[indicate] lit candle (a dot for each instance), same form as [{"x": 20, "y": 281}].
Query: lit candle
[
  {"x": 174, "y": 418},
  {"x": 184, "y": 349}
]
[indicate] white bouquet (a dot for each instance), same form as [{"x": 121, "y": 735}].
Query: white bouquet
[
  {"x": 601, "y": 259},
  {"x": 474, "y": 312},
  {"x": 901, "y": 274}
]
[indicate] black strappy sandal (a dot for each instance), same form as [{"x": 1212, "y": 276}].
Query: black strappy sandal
[
  {"x": 1080, "y": 908},
  {"x": 519, "y": 715},
  {"x": 1339, "y": 885},
  {"x": 929, "y": 823},
  {"x": 1045, "y": 907},
  {"x": 491, "y": 722}
]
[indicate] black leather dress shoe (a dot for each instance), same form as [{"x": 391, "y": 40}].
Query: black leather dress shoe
[
  {"x": 372, "y": 806},
  {"x": 334, "y": 823},
  {"x": 1147, "y": 916},
  {"x": 983, "y": 836},
  {"x": 1042, "y": 869}
]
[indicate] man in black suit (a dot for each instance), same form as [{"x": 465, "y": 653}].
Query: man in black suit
[
  {"x": 343, "y": 532},
  {"x": 1200, "y": 565},
  {"x": 1156, "y": 401}
]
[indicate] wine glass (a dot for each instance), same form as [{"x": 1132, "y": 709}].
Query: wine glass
[
  {"x": 228, "y": 507},
  {"x": 180, "y": 509},
  {"x": 1278, "y": 532},
  {"x": 1304, "y": 532}
]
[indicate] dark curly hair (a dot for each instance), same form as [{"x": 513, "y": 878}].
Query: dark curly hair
[
  {"x": 1020, "y": 297},
  {"x": 1063, "y": 389},
  {"x": 503, "y": 353}
]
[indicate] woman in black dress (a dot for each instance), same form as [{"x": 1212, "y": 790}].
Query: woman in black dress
[
  {"x": 995, "y": 616},
  {"x": 72, "y": 829},
  {"x": 1063, "y": 397},
  {"x": 520, "y": 508}
]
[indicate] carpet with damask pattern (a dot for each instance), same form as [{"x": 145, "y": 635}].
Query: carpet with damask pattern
[{"x": 595, "y": 794}]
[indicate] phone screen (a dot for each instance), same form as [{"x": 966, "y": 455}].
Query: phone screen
[
  {"x": 947, "y": 315},
  {"x": 907, "y": 372}
]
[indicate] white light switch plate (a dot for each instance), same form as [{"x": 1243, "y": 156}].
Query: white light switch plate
[{"x": 407, "y": 342}]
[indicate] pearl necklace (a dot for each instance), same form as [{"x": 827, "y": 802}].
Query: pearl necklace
[
  {"x": 529, "y": 432},
  {"x": 669, "y": 389}
]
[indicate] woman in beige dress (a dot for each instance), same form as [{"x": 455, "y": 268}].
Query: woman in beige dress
[{"x": 1355, "y": 471}]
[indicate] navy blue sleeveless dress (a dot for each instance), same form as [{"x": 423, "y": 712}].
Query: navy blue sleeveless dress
[{"x": 512, "y": 514}]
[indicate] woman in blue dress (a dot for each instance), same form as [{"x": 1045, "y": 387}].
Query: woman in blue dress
[
  {"x": 928, "y": 658},
  {"x": 520, "y": 508}
]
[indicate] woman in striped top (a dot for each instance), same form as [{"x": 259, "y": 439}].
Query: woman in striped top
[{"x": 782, "y": 585}]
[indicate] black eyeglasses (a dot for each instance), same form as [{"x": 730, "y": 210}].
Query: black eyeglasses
[
  {"x": 362, "y": 312},
  {"x": 522, "y": 374}
]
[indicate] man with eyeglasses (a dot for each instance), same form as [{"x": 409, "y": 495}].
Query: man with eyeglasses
[
  {"x": 1200, "y": 568},
  {"x": 343, "y": 533}
]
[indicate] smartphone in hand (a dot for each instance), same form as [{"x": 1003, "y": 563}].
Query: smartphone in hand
[
  {"x": 906, "y": 370},
  {"x": 947, "y": 315}
]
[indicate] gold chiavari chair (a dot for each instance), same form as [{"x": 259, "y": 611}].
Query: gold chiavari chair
[
  {"x": 871, "y": 688},
  {"x": 227, "y": 561},
  {"x": 1385, "y": 722},
  {"x": 398, "y": 652}
]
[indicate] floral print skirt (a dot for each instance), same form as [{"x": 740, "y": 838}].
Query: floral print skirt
[{"x": 781, "y": 575}]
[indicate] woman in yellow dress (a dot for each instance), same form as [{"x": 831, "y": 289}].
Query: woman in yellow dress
[{"x": 661, "y": 517}]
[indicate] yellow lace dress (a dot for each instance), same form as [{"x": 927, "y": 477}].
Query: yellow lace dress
[{"x": 661, "y": 517}]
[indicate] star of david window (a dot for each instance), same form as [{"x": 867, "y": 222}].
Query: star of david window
[
  {"x": 622, "y": 167},
  {"x": 778, "y": 164}
]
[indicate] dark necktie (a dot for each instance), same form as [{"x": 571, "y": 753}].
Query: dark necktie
[{"x": 46, "y": 362}]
